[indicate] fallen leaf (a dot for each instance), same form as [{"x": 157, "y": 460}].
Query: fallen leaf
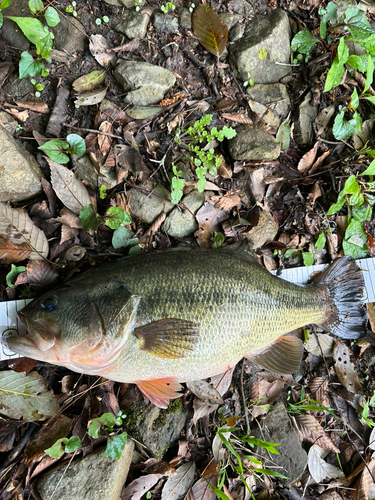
[
  {"x": 205, "y": 391},
  {"x": 104, "y": 141},
  {"x": 26, "y": 396},
  {"x": 89, "y": 81},
  {"x": 22, "y": 364},
  {"x": 91, "y": 98},
  {"x": 100, "y": 47},
  {"x": 325, "y": 341},
  {"x": 362, "y": 488},
  {"x": 318, "y": 388},
  {"x": 208, "y": 218},
  {"x": 41, "y": 274},
  {"x": 178, "y": 485},
  {"x": 38, "y": 106},
  {"x": 313, "y": 433},
  {"x": 139, "y": 487},
  {"x": 226, "y": 202},
  {"x": 209, "y": 30},
  {"x": 201, "y": 489},
  {"x": 238, "y": 118},
  {"x": 318, "y": 162},
  {"x": 7, "y": 434},
  {"x": 71, "y": 224},
  {"x": 345, "y": 369},
  {"x": 218, "y": 448},
  {"x": 68, "y": 188},
  {"x": 128, "y": 47},
  {"x": 21, "y": 116},
  {"x": 319, "y": 469},
  {"x": 12, "y": 253},
  {"x": 19, "y": 228},
  {"x": 308, "y": 159}
]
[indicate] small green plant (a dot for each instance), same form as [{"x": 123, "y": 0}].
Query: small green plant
[
  {"x": 262, "y": 54},
  {"x": 307, "y": 257},
  {"x": 71, "y": 9},
  {"x": 192, "y": 7},
  {"x": 137, "y": 5},
  {"x": 38, "y": 87},
  {"x": 57, "y": 150},
  {"x": 198, "y": 139},
  {"x": 178, "y": 185},
  {"x": 12, "y": 275},
  {"x": 348, "y": 121},
  {"x": 102, "y": 425},
  {"x": 249, "y": 81},
  {"x": 123, "y": 238},
  {"x": 99, "y": 20},
  {"x": 168, "y": 6}
]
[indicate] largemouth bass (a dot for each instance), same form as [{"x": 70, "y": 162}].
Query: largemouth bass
[{"x": 163, "y": 318}]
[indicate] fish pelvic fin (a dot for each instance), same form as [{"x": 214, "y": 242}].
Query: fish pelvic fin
[
  {"x": 283, "y": 356},
  {"x": 168, "y": 338},
  {"x": 160, "y": 391},
  {"x": 345, "y": 313}
]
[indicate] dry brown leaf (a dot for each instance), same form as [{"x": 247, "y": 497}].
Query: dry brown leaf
[
  {"x": 201, "y": 489},
  {"x": 318, "y": 388},
  {"x": 21, "y": 116},
  {"x": 38, "y": 106},
  {"x": 345, "y": 369},
  {"x": 267, "y": 391},
  {"x": 128, "y": 47},
  {"x": 71, "y": 224},
  {"x": 139, "y": 487},
  {"x": 208, "y": 218},
  {"x": 205, "y": 391},
  {"x": 68, "y": 188},
  {"x": 364, "y": 487},
  {"x": 209, "y": 29},
  {"x": 315, "y": 192},
  {"x": 308, "y": 159},
  {"x": 319, "y": 344},
  {"x": 100, "y": 47},
  {"x": 221, "y": 383},
  {"x": 313, "y": 433},
  {"x": 12, "y": 253},
  {"x": 225, "y": 103},
  {"x": 238, "y": 118},
  {"x": 178, "y": 485},
  {"x": 225, "y": 170},
  {"x": 104, "y": 141},
  {"x": 319, "y": 469},
  {"x": 318, "y": 162},
  {"x": 41, "y": 274},
  {"x": 91, "y": 98},
  {"x": 19, "y": 228},
  {"x": 226, "y": 202}
]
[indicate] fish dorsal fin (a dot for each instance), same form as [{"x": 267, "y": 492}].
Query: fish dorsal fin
[
  {"x": 160, "y": 391},
  {"x": 283, "y": 356},
  {"x": 168, "y": 338}
]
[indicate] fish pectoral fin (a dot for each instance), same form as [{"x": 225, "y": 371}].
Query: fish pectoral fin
[
  {"x": 168, "y": 338},
  {"x": 160, "y": 391},
  {"x": 283, "y": 356}
]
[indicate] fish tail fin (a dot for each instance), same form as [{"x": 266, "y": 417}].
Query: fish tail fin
[{"x": 346, "y": 315}]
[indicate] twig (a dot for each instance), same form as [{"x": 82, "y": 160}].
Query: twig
[
  {"x": 244, "y": 400},
  {"x": 23, "y": 442},
  {"x": 93, "y": 131}
]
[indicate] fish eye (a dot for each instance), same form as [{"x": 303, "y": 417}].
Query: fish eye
[{"x": 50, "y": 303}]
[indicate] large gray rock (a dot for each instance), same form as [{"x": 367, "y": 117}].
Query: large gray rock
[
  {"x": 134, "y": 25},
  {"x": 92, "y": 476},
  {"x": 19, "y": 172},
  {"x": 270, "y": 34},
  {"x": 253, "y": 144},
  {"x": 292, "y": 458},
  {"x": 274, "y": 94},
  {"x": 157, "y": 429},
  {"x": 304, "y": 120},
  {"x": 180, "y": 223},
  {"x": 144, "y": 82},
  {"x": 148, "y": 206},
  {"x": 69, "y": 35},
  {"x": 10, "y": 30}
]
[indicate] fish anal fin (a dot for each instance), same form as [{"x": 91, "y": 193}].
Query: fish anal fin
[
  {"x": 168, "y": 338},
  {"x": 283, "y": 356},
  {"x": 160, "y": 391}
]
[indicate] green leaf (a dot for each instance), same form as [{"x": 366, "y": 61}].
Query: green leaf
[
  {"x": 358, "y": 122},
  {"x": 28, "y": 66},
  {"x": 102, "y": 192},
  {"x": 54, "y": 150},
  {"x": 1, "y": 19},
  {"x": 77, "y": 144},
  {"x": 291, "y": 252},
  {"x": 370, "y": 98},
  {"x": 44, "y": 46},
  {"x": 262, "y": 444},
  {"x": 36, "y": 6},
  {"x": 57, "y": 450},
  {"x": 362, "y": 213},
  {"x": 320, "y": 242},
  {"x": 123, "y": 238},
  {"x": 336, "y": 207},
  {"x": 370, "y": 170},
  {"x": 356, "y": 200},
  {"x": 135, "y": 250},
  {"x": 52, "y": 17},
  {"x": 30, "y": 27},
  {"x": 343, "y": 129},
  {"x": 283, "y": 134},
  {"x": 228, "y": 132},
  {"x": 13, "y": 273},
  {"x": 357, "y": 22},
  {"x": 115, "y": 445},
  {"x": 201, "y": 172},
  {"x": 219, "y": 240},
  {"x": 303, "y": 42},
  {"x": 334, "y": 75},
  {"x": 367, "y": 43},
  {"x": 4, "y": 4},
  {"x": 358, "y": 62},
  {"x": 308, "y": 258},
  {"x": 73, "y": 444},
  {"x": 90, "y": 220},
  {"x": 351, "y": 186},
  {"x": 268, "y": 472},
  {"x": 177, "y": 187},
  {"x": 354, "y": 243},
  {"x": 117, "y": 217},
  {"x": 107, "y": 420},
  {"x": 329, "y": 13},
  {"x": 354, "y": 102},
  {"x": 369, "y": 73}
]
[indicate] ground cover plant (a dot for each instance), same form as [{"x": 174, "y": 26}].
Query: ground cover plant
[{"x": 116, "y": 175}]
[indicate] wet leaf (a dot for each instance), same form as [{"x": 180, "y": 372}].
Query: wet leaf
[
  {"x": 209, "y": 29},
  {"x": 178, "y": 485},
  {"x": 68, "y": 188},
  {"x": 19, "y": 228},
  {"x": 89, "y": 81},
  {"x": 100, "y": 48},
  {"x": 345, "y": 369},
  {"x": 91, "y": 98},
  {"x": 12, "y": 253},
  {"x": 139, "y": 487},
  {"x": 319, "y": 469},
  {"x": 117, "y": 217},
  {"x": 325, "y": 341},
  {"x": 122, "y": 237},
  {"x": 115, "y": 445},
  {"x": 205, "y": 391},
  {"x": 26, "y": 396},
  {"x": 70, "y": 445}
]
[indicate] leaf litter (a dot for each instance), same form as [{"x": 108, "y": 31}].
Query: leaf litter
[{"x": 294, "y": 189}]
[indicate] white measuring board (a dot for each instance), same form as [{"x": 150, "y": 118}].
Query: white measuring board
[{"x": 11, "y": 325}]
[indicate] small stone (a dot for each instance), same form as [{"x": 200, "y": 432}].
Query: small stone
[
  {"x": 229, "y": 19},
  {"x": 180, "y": 223},
  {"x": 253, "y": 144},
  {"x": 292, "y": 458},
  {"x": 8, "y": 122},
  {"x": 19, "y": 172},
  {"x": 69, "y": 35},
  {"x": 272, "y": 93},
  {"x": 19, "y": 88},
  {"x": 134, "y": 25},
  {"x": 242, "y": 7},
  {"x": 265, "y": 231},
  {"x": 144, "y": 83},
  {"x": 147, "y": 206},
  {"x": 237, "y": 32},
  {"x": 165, "y": 22},
  {"x": 92, "y": 476},
  {"x": 185, "y": 19},
  {"x": 304, "y": 121},
  {"x": 271, "y": 35}
]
